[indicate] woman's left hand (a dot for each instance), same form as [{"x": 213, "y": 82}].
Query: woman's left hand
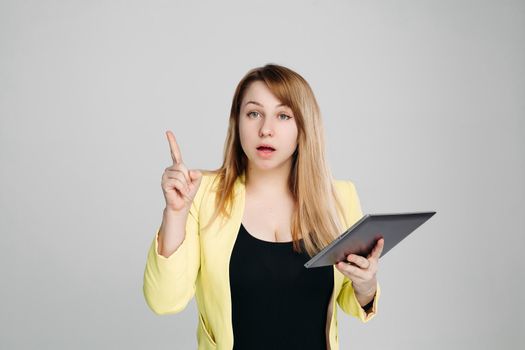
[{"x": 362, "y": 271}]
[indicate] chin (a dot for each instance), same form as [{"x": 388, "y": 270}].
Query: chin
[
  {"x": 264, "y": 165},
  {"x": 267, "y": 164}
]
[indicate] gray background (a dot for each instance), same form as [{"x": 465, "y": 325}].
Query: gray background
[{"x": 423, "y": 103}]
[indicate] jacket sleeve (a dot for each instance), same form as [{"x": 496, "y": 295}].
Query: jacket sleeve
[
  {"x": 347, "y": 299},
  {"x": 169, "y": 283},
  {"x": 350, "y": 305}
]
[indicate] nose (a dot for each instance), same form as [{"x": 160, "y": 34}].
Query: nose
[{"x": 266, "y": 128}]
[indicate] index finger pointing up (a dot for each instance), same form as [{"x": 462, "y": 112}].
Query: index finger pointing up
[{"x": 174, "y": 148}]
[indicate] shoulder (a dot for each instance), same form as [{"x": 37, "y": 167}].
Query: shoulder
[
  {"x": 345, "y": 188},
  {"x": 347, "y": 195},
  {"x": 208, "y": 176}
]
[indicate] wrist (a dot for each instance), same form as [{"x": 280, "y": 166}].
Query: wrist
[
  {"x": 366, "y": 290},
  {"x": 182, "y": 214}
]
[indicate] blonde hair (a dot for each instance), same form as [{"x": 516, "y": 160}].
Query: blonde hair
[{"x": 310, "y": 181}]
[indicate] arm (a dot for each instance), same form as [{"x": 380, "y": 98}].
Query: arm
[
  {"x": 169, "y": 282},
  {"x": 174, "y": 256},
  {"x": 359, "y": 302}
]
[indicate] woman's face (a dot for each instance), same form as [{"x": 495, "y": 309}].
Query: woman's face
[{"x": 264, "y": 121}]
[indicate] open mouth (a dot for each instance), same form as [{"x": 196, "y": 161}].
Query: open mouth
[{"x": 265, "y": 149}]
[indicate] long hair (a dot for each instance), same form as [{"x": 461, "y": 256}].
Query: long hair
[{"x": 310, "y": 180}]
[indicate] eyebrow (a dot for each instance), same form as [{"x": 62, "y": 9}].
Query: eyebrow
[{"x": 258, "y": 104}]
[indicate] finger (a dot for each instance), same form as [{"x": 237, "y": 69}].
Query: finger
[
  {"x": 378, "y": 249},
  {"x": 170, "y": 184},
  {"x": 358, "y": 260},
  {"x": 380, "y": 246},
  {"x": 181, "y": 180},
  {"x": 180, "y": 169},
  {"x": 354, "y": 271},
  {"x": 174, "y": 184},
  {"x": 174, "y": 148}
]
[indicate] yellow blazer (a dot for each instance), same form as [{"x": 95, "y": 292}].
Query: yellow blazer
[{"x": 200, "y": 267}]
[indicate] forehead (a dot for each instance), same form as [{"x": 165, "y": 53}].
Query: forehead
[{"x": 259, "y": 92}]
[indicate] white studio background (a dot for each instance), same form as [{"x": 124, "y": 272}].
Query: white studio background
[{"x": 424, "y": 109}]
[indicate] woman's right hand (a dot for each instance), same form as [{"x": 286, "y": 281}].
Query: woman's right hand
[{"x": 179, "y": 184}]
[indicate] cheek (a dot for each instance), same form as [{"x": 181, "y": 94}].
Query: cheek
[
  {"x": 292, "y": 133},
  {"x": 244, "y": 134}
]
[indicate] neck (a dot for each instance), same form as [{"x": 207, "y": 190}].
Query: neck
[{"x": 273, "y": 181}]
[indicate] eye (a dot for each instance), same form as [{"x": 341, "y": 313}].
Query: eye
[
  {"x": 251, "y": 114},
  {"x": 286, "y": 117}
]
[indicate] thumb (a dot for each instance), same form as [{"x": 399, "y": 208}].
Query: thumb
[{"x": 195, "y": 176}]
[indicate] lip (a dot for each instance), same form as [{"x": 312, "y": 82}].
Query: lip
[
  {"x": 265, "y": 153},
  {"x": 266, "y": 145}
]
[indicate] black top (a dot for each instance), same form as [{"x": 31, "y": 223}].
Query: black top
[{"x": 277, "y": 303}]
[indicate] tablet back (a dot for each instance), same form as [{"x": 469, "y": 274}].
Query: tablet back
[{"x": 361, "y": 238}]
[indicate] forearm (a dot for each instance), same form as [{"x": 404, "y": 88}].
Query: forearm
[
  {"x": 172, "y": 267},
  {"x": 172, "y": 232}
]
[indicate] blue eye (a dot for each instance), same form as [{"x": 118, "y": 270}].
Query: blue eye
[
  {"x": 251, "y": 114},
  {"x": 286, "y": 116}
]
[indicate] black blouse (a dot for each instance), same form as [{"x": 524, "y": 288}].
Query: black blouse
[{"x": 277, "y": 303}]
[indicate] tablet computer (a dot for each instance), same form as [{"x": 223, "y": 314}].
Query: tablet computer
[{"x": 361, "y": 238}]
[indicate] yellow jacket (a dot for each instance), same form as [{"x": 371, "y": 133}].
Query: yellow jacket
[{"x": 200, "y": 267}]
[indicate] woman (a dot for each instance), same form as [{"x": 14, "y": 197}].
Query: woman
[{"x": 237, "y": 238}]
